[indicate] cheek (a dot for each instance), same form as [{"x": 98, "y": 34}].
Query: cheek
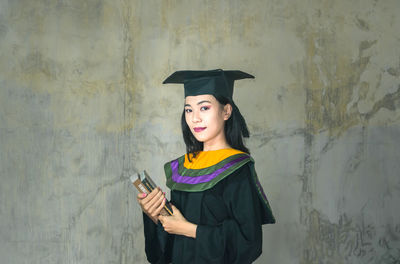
[
  {"x": 220, "y": 118},
  {"x": 216, "y": 122},
  {"x": 187, "y": 120}
]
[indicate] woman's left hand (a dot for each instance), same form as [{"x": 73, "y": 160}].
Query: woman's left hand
[{"x": 177, "y": 224}]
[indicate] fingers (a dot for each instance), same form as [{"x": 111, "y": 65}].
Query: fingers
[
  {"x": 160, "y": 207},
  {"x": 157, "y": 204},
  {"x": 152, "y": 203},
  {"x": 140, "y": 196},
  {"x": 164, "y": 220},
  {"x": 153, "y": 193},
  {"x": 144, "y": 199},
  {"x": 175, "y": 211}
]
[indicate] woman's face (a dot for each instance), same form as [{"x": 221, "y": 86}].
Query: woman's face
[{"x": 206, "y": 117}]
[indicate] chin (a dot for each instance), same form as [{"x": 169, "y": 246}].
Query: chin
[{"x": 200, "y": 139}]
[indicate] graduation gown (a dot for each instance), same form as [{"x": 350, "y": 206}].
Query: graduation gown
[{"x": 220, "y": 192}]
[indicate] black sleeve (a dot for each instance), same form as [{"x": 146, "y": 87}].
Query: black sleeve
[
  {"x": 237, "y": 239},
  {"x": 158, "y": 243}
]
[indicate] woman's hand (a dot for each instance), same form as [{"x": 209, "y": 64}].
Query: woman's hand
[
  {"x": 152, "y": 204},
  {"x": 177, "y": 224}
]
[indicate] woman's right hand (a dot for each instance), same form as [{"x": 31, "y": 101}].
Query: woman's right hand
[{"x": 152, "y": 204}]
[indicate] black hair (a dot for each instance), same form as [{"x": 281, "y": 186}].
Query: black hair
[{"x": 235, "y": 129}]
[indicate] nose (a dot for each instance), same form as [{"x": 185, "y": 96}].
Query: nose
[{"x": 196, "y": 117}]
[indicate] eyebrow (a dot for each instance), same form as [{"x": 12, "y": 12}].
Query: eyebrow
[
  {"x": 202, "y": 102},
  {"x": 199, "y": 103}
]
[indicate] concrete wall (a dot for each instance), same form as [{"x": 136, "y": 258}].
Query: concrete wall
[{"x": 82, "y": 107}]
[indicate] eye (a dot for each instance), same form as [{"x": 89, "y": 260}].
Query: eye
[
  {"x": 188, "y": 110},
  {"x": 204, "y": 108}
]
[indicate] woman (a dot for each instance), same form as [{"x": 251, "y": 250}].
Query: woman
[{"x": 218, "y": 203}]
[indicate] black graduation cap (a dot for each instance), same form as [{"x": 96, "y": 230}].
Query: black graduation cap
[{"x": 215, "y": 82}]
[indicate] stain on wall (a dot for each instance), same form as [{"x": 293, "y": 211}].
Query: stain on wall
[{"x": 82, "y": 107}]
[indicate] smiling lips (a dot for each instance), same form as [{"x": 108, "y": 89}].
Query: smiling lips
[{"x": 198, "y": 129}]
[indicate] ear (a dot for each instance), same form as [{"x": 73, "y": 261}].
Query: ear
[{"x": 227, "y": 111}]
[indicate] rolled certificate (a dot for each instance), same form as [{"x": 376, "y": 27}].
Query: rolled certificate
[{"x": 145, "y": 184}]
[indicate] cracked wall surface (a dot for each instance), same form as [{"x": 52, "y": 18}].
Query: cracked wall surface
[{"x": 82, "y": 108}]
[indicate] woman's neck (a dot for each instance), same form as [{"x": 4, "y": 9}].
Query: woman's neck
[{"x": 220, "y": 144}]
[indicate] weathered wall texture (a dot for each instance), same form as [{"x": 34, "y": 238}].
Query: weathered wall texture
[{"x": 82, "y": 107}]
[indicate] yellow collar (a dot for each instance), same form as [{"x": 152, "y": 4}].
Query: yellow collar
[{"x": 205, "y": 159}]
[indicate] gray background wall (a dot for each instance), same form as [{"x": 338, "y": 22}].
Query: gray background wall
[{"x": 82, "y": 107}]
